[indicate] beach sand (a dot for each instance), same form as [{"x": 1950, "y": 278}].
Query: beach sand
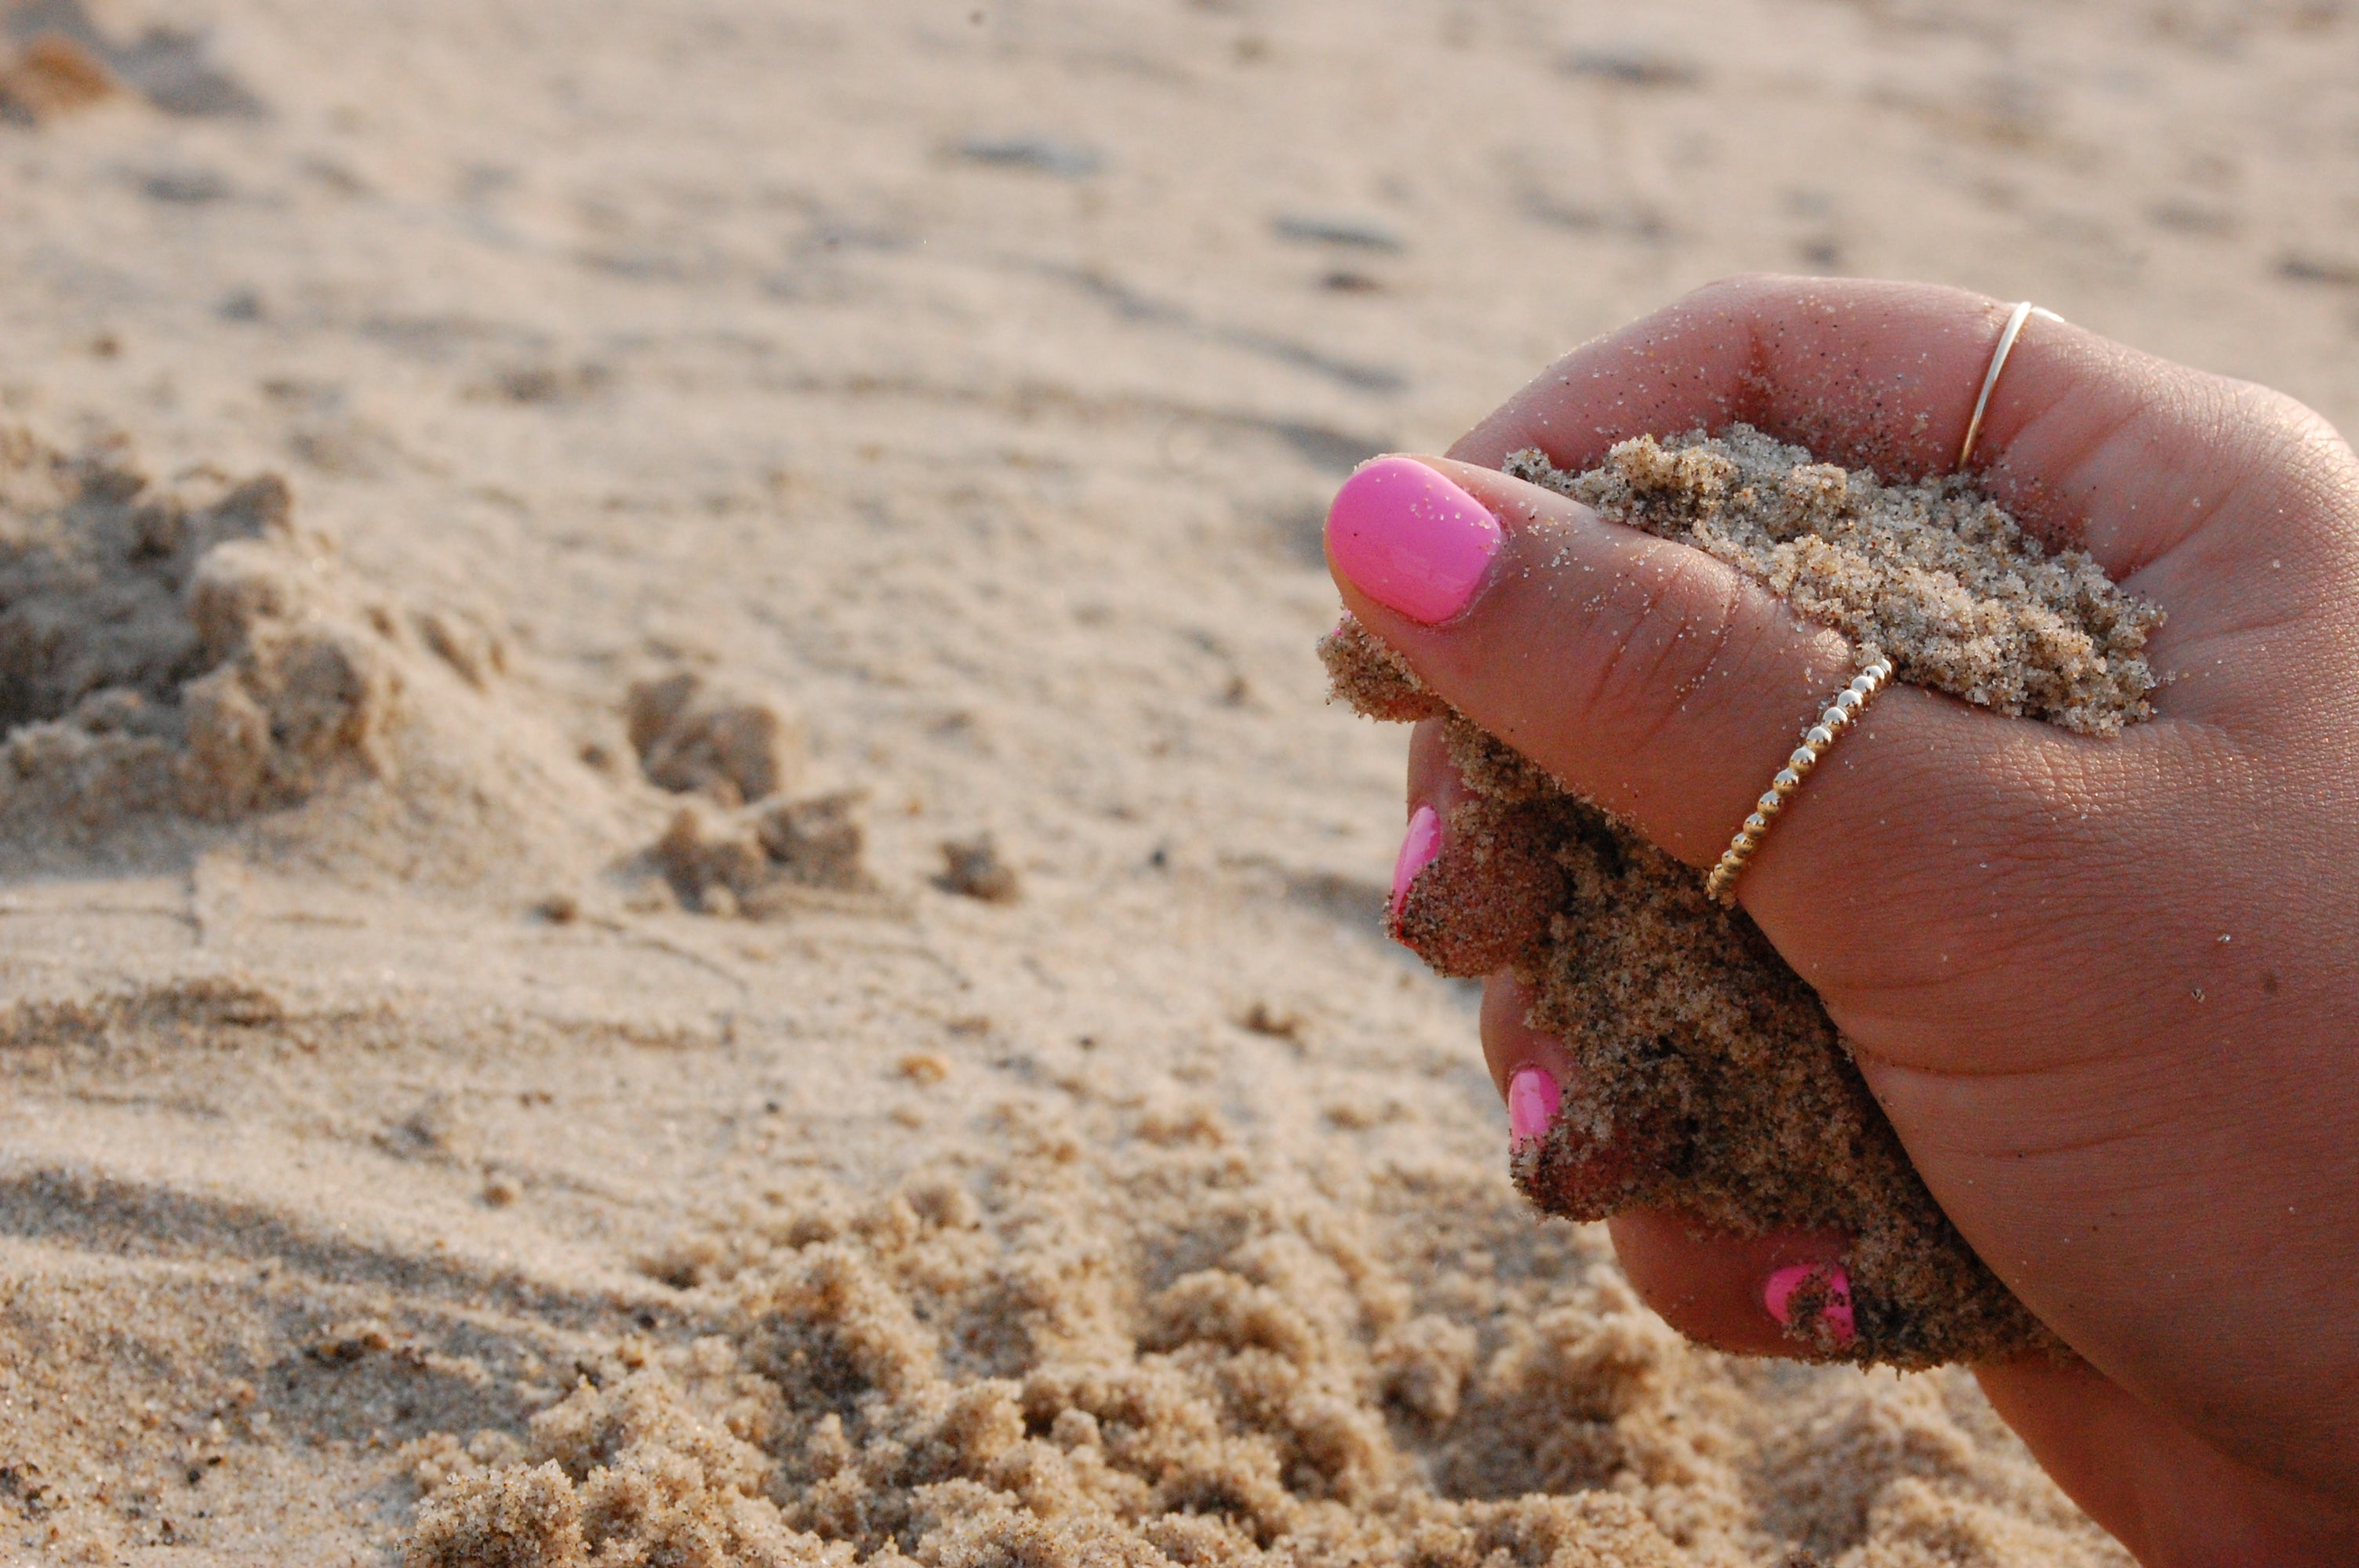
[{"x": 403, "y": 1097}]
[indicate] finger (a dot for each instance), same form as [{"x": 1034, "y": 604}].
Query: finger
[
  {"x": 1931, "y": 880},
  {"x": 1652, "y": 679},
  {"x": 1474, "y": 884},
  {"x": 1574, "y": 1155},
  {"x": 1785, "y": 1294},
  {"x": 1781, "y": 1294},
  {"x": 2084, "y": 440},
  {"x": 2164, "y": 1493},
  {"x": 1648, "y": 677},
  {"x": 1511, "y": 1045},
  {"x": 1862, "y": 372},
  {"x": 1430, "y": 775}
]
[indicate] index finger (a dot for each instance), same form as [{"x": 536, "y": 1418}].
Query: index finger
[{"x": 2084, "y": 440}]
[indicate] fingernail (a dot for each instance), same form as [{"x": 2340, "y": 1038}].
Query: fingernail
[
  {"x": 1418, "y": 847},
  {"x": 1532, "y": 1100},
  {"x": 1411, "y": 540},
  {"x": 1778, "y": 1296}
]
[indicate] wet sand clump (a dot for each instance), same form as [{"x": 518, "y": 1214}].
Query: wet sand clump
[
  {"x": 693, "y": 736},
  {"x": 768, "y": 858},
  {"x": 1711, "y": 1078}
]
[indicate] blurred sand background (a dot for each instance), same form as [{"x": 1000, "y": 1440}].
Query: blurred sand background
[{"x": 960, "y": 385}]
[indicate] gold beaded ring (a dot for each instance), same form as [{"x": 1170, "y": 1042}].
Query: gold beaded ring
[
  {"x": 1721, "y": 884},
  {"x": 1848, "y": 705}
]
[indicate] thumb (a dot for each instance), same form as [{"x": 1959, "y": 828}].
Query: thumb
[
  {"x": 1657, "y": 682},
  {"x": 1645, "y": 675}
]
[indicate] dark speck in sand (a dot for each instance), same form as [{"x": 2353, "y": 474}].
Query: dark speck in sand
[
  {"x": 1359, "y": 233},
  {"x": 2333, "y": 271},
  {"x": 1633, "y": 67},
  {"x": 1043, "y": 154},
  {"x": 971, "y": 867},
  {"x": 188, "y": 187},
  {"x": 167, "y": 66}
]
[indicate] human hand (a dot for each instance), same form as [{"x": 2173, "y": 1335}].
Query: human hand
[{"x": 2107, "y": 990}]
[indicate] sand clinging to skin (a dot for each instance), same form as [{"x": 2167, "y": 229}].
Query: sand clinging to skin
[
  {"x": 1934, "y": 575},
  {"x": 1711, "y": 1078}
]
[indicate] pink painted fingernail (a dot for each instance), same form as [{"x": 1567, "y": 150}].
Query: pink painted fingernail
[
  {"x": 1532, "y": 1101},
  {"x": 1418, "y": 847},
  {"x": 1778, "y": 1296},
  {"x": 1411, "y": 540}
]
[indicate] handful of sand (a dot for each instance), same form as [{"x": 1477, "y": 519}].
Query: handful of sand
[{"x": 1711, "y": 1079}]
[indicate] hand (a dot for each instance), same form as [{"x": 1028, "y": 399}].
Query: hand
[{"x": 2107, "y": 990}]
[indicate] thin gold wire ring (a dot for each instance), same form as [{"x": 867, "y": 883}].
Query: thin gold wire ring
[{"x": 2024, "y": 311}]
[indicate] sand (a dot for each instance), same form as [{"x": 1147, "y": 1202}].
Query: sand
[
  {"x": 965, "y": 393},
  {"x": 1933, "y": 576},
  {"x": 1711, "y": 1078}
]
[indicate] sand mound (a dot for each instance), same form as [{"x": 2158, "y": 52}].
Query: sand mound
[
  {"x": 176, "y": 651},
  {"x": 744, "y": 848},
  {"x": 974, "y": 868},
  {"x": 181, "y": 661},
  {"x": 1180, "y": 1353},
  {"x": 1706, "y": 1063}
]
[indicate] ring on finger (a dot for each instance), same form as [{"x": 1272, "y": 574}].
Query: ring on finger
[
  {"x": 1848, "y": 705},
  {"x": 2024, "y": 311}
]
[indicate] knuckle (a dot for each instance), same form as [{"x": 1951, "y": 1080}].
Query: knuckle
[
  {"x": 1737, "y": 287},
  {"x": 1671, "y": 633}
]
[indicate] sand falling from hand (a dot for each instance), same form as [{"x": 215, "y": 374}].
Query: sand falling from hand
[{"x": 1711, "y": 1078}]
